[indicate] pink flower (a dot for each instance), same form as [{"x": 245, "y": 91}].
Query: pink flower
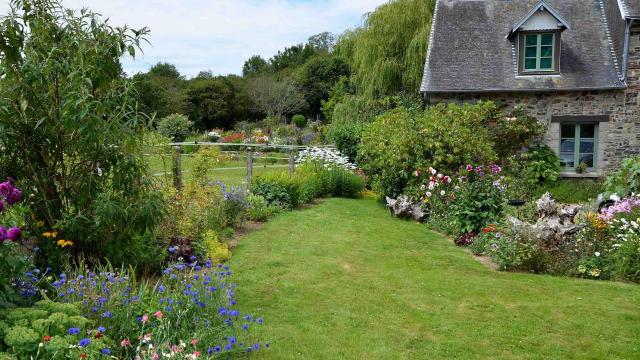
[
  {"x": 155, "y": 356},
  {"x": 145, "y": 318},
  {"x": 158, "y": 314},
  {"x": 194, "y": 342},
  {"x": 14, "y": 234},
  {"x": 125, "y": 342},
  {"x": 469, "y": 168},
  {"x": 196, "y": 354}
]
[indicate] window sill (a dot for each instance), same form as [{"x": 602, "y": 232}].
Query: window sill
[{"x": 575, "y": 175}]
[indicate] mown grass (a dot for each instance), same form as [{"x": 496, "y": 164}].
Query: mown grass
[{"x": 344, "y": 280}]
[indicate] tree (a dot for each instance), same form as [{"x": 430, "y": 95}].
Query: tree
[
  {"x": 160, "y": 91},
  {"x": 276, "y": 98},
  {"x": 387, "y": 54},
  {"x": 217, "y": 102},
  {"x": 254, "y": 65},
  {"x": 325, "y": 41},
  {"x": 318, "y": 76},
  {"x": 69, "y": 126},
  {"x": 291, "y": 56}
]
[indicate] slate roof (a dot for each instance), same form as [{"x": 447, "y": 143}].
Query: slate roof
[
  {"x": 469, "y": 51},
  {"x": 632, "y": 8}
]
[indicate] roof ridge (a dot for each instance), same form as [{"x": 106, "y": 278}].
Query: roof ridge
[
  {"x": 429, "y": 46},
  {"x": 607, "y": 32}
]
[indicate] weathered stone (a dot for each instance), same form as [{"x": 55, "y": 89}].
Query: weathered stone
[{"x": 404, "y": 208}]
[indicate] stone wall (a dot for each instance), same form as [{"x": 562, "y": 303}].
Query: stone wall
[{"x": 619, "y": 138}]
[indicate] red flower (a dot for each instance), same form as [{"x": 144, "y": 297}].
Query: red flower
[
  {"x": 84, "y": 356},
  {"x": 98, "y": 335},
  {"x": 46, "y": 338}
]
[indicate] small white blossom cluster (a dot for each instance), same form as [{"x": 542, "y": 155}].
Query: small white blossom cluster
[
  {"x": 328, "y": 157},
  {"x": 626, "y": 230}
]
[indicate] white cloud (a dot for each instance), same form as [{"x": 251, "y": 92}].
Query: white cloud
[{"x": 219, "y": 35}]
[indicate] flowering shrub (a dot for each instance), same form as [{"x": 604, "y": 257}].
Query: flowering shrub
[
  {"x": 474, "y": 199},
  {"x": 326, "y": 157},
  {"x": 189, "y": 312},
  {"x": 233, "y": 138},
  {"x": 626, "y": 205}
]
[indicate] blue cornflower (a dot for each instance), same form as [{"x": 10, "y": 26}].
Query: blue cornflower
[
  {"x": 232, "y": 340},
  {"x": 84, "y": 342},
  {"x": 73, "y": 331},
  {"x": 167, "y": 308},
  {"x": 173, "y": 249},
  {"x": 207, "y": 264},
  {"x": 174, "y": 276},
  {"x": 106, "y": 351},
  {"x": 136, "y": 298},
  {"x": 63, "y": 276},
  {"x": 245, "y": 327},
  {"x": 217, "y": 348},
  {"x": 267, "y": 345},
  {"x": 160, "y": 288},
  {"x": 198, "y": 268},
  {"x": 256, "y": 346},
  {"x": 107, "y": 314},
  {"x": 227, "y": 347},
  {"x": 192, "y": 258},
  {"x": 101, "y": 329},
  {"x": 260, "y": 321}
]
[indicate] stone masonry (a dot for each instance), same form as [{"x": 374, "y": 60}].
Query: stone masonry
[{"x": 619, "y": 137}]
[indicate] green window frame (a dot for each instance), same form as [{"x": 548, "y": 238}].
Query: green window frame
[
  {"x": 578, "y": 143},
  {"x": 539, "y": 52}
]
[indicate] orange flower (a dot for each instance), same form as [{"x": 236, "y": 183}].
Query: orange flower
[
  {"x": 46, "y": 338},
  {"x": 64, "y": 243}
]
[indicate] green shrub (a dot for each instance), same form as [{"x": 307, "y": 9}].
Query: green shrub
[
  {"x": 175, "y": 126},
  {"x": 205, "y": 160},
  {"x": 527, "y": 171},
  {"x": 626, "y": 180},
  {"x": 278, "y": 189},
  {"x": 477, "y": 204},
  {"x": 299, "y": 120},
  {"x": 216, "y": 250},
  {"x": 346, "y": 137},
  {"x": 339, "y": 182},
  {"x": 572, "y": 191},
  {"x": 258, "y": 209},
  {"x": 443, "y": 136},
  {"x": 515, "y": 131}
]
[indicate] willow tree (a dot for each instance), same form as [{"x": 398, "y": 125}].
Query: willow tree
[{"x": 387, "y": 53}]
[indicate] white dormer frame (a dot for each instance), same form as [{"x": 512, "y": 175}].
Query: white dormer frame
[{"x": 542, "y": 5}]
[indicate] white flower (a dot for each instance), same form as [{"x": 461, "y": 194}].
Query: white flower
[
  {"x": 432, "y": 185},
  {"x": 433, "y": 171},
  {"x": 429, "y": 194},
  {"x": 457, "y": 187},
  {"x": 99, "y": 171},
  {"x": 440, "y": 176},
  {"x": 422, "y": 187},
  {"x": 597, "y": 253},
  {"x": 442, "y": 193}
]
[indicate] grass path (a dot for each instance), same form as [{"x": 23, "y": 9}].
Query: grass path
[{"x": 343, "y": 280}]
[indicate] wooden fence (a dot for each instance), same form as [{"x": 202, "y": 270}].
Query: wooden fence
[{"x": 251, "y": 149}]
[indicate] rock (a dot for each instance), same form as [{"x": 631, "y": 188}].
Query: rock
[{"x": 403, "y": 207}]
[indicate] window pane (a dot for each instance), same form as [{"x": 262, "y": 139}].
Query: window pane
[
  {"x": 547, "y": 39},
  {"x": 530, "y": 64},
  {"x": 568, "y": 131},
  {"x": 566, "y": 160},
  {"x": 588, "y": 131},
  {"x": 530, "y": 52},
  {"x": 546, "y": 51},
  {"x": 586, "y": 146},
  {"x": 531, "y": 40},
  {"x": 546, "y": 64},
  {"x": 567, "y": 145},
  {"x": 587, "y": 158}
]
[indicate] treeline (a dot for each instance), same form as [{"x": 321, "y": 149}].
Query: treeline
[{"x": 348, "y": 78}]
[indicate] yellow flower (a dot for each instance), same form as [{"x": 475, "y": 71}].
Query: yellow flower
[
  {"x": 582, "y": 269},
  {"x": 595, "y": 272},
  {"x": 50, "y": 234},
  {"x": 64, "y": 243},
  {"x": 40, "y": 223}
]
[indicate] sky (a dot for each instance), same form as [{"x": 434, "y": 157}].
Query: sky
[{"x": 219, "y": 35}]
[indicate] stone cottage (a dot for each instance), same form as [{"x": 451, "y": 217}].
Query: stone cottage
[{"x": 574, "y": 64}]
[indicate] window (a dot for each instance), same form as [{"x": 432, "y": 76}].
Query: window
[
  {"x": 578, "y": 144},
  {"x": 539, "y": 52}
]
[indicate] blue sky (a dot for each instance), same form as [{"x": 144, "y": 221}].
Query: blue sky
[{"x": 219, "y": 35}]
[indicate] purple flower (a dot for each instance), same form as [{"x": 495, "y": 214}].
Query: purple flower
[
  {"x": 3, "y": 234},
  {"x": 14, "y": 234},
  {"x": 469, "y": 168}
]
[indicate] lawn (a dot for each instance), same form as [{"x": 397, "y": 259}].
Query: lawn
[{"x": 345, "y": 280}]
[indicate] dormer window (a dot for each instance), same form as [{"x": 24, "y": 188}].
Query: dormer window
[
  {"x": 539, "y": 52},
  {"x": 537, "y": 36}
]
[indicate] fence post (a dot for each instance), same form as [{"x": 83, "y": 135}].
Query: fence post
[
  {"x": 177, "y": 167},
  {"x": 249, "y": 166},
  {"x": 292, "y": 162}
]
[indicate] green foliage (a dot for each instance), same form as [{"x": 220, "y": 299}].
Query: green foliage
[
  {"x": 216, "y": 250},
  {"x": 443, "y": 136},
  {"x": 41, "y": 332},
  {"x": 254, "y": 65},
  {"x": 387, "y": 54},
  {"x": 217, "y": 102},
  {"x": 529, "y": 170},
  {"x": 514, "y": 132},
  {"x": 317, "y": 78},
  {"x": 477, "y": 204},
  {"x": 572, "y": 191},
  {"x": 626, "y": 180},
  {"x": 70, "y": 127},
  {"x": 176, "y": 127},
  {"x": 204, "y": 160},
  {"x": 346, "y": 137},
  {"x": 160, "y": 91},
  {"x": 299, "y": 120},
  {"x": 338, "y": 182},
  {"x": 258, "y": 208},
  {"x": 278, "y": 189}
]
